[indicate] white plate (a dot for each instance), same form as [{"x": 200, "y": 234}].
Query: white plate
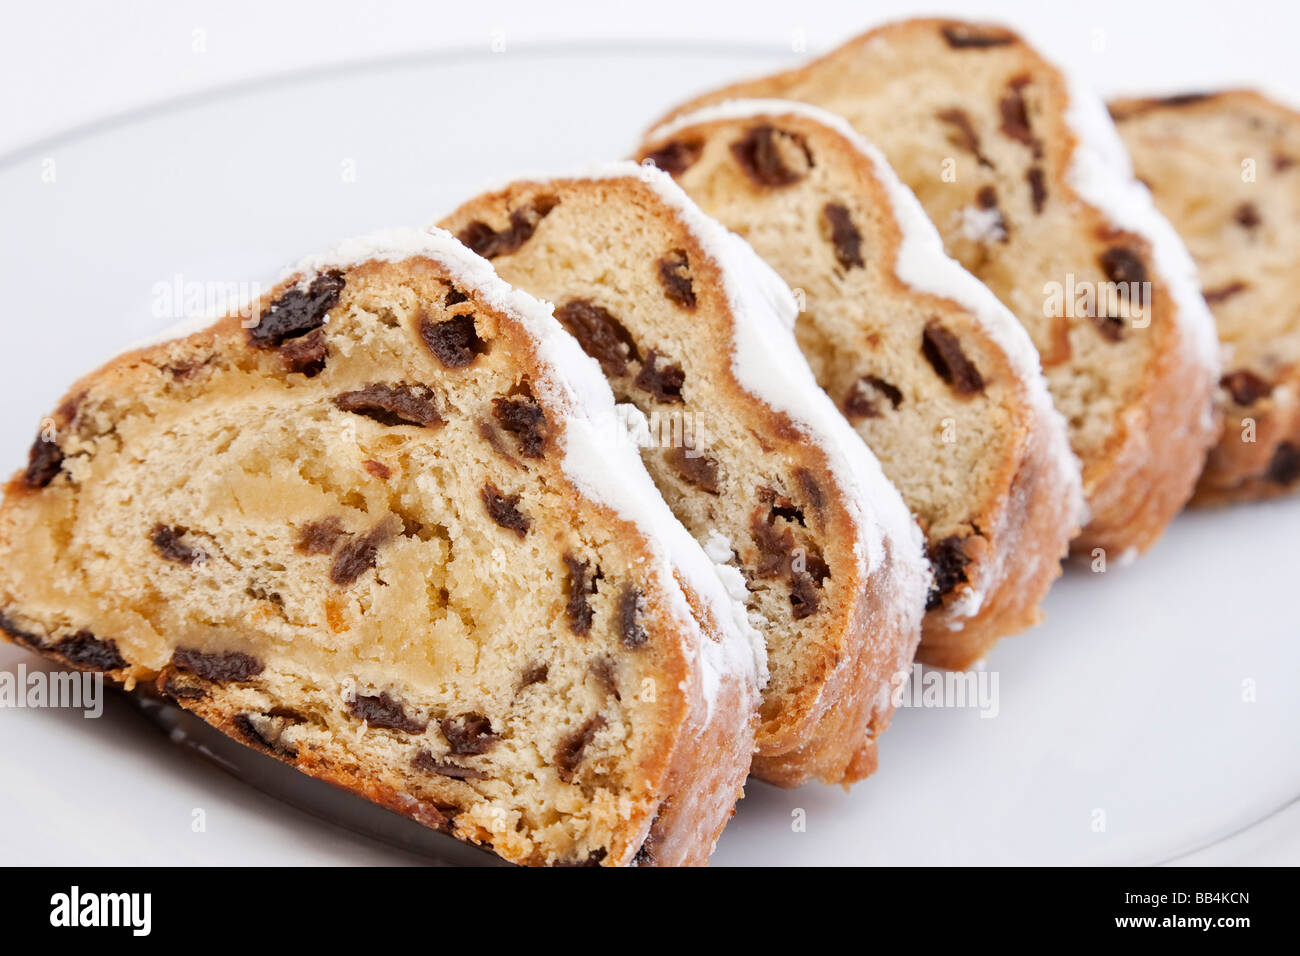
[{"x": 1153, "y": 716}]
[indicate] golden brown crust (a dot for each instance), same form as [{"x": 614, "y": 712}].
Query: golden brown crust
[{"x": 1144, "y": 471}]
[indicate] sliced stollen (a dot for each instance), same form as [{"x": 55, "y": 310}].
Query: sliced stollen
[
  {"x": 379, "y": 534},
  {"x": 1225, "y": 168},
  {"x": 933, "y": 371},
  {"x": 695, "y": 331},
  {"x": 1030, "y": 188}
]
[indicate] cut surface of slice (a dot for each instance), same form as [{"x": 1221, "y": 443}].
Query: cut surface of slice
[
  {"x": 375, "y": 530},
  {"x": 695, "y": 332},
  {"x": 935, "y": 374},
  {"x": 1024, "y": 176},
  {"x": 1225, "y": 168}
]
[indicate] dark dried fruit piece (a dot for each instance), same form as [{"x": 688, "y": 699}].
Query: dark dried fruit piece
[
  {"x": 428, "y": 763},
  {"x": 392, "y": 405},
  {"x": 845, "y": 237},
  {"x": 1015, "y": 115},
  {"x": 243, "y": 723},
  {"x": 863, "y": 399},
  {"x": 359, "y": 555},
  {"x": 675, "y": 277},
  {"x": 577, "y": 607},
  {"x": 490, "y": 243},
  {"x": 676, "y": 157},
  {"x": 694, "y": 468},
  {"x": 811, "y": 488},
  {"x": 306, "y": 355},
  {"x": 454, "y": 297},
  {"x": 504, "y": 510},
  {"x": 383, "y": 711},
  {"x": 1037, "y": 187},
  {"x": 963, "y": 133},
  {"x": 948, "y": 558},
  {"x": 297, "y": 311},
  {"x": 320, "y": 537},
  {"x": 568, "y": 755},
  {"x": 773, "y": 546},
  {"x": 86, "y": 650},
  {"x": 523, "y": 418},
  {"x": 1111, "y": 327},
  {"x": 944, "y": 353},
  {"x": 1247, "y": 216},
  {"x": 1284, "y": 468},
  {"x": 630, "y": 631},
  {"x": 455, "y": 342},
  {"x": 963, "y": 36},
  {"x": 536, "y": 674},
  {"x": 765, "y": 153},
  {"x": 604, "y": 670},
  {"x": 44, "y": 461},
  {"x": 601, "y": 336},
  {"x": 169, "y": 685},
  {"x": 469, "y": 734},
  {"x": 377, "y": 468},
  {"x": 665, "y": 383},
  {"x": 1224, "y": 292},
  {"x": 167, "y": 540},
  {"x": 1125, "y": 268},
  {"x": 804, "y": 600},
  {"x": 1245, "y": 387},
  {"x": 987, "y": 197},
  {"x": 220, "y": 668}
]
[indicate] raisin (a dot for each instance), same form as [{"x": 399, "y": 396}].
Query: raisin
[
  {"x": 1224, "y": 292},
  {"x": 19, "y": 634},
  {"x": 469, "y": 734},
  {"x": 44, "y": 461},
  {"x": 763, "y": 153},
  {"x": 963, "y": 133},
  {"x": 392, "y": 405},
  {"x": 378, "y": 469},
  {"x": 359, "y": 555},
  {"x": 523, "y": 418},
  {"x": 1015, "y": 115},
  {"x": 604, "y": 671},
  {"x": 454, "y": 297},
  {"x": 964, "y": 36},
  {"x": 804, "y": 601},
  {"x": 631, "y": 633},
  {"x": 601, "y": 335},
  {"x": 863, "y": 399},
  {"x": 167, "y": 540},
  {"x": 1037, "y": 187},
  {"x": 577, "y": 607},
  {"x": 1125, "y": 268},
  {"x": 306, "y": 355},
  {"x": 811, "y": 488},
  {"x": 219, "y": 667},
  {"x": 243, "y": 723},
  {"x": 695, "y": 469},
  {"x": 86, "y": 650},
  {"x": 1245, "y": 387},
  {"x": 490, "y": 243},
  {"x": 428, "y": 763},
  {"x": 1247, "y": 216},
  {"x": 568, "y": 755},
  {"x": 676, "y": 157},
  {"x": 168, "y": 685},
  {"x": 504, "y": 510},
  {"x": 845, "y": 237},
  {"x": 1184, "y": 99},
  {"x": 455, "y": 342},
  {"x": 665, "y": 383},
  {"x": 1111, "y": 327},
  {"x": 1284, "y": 469},
  {"x": 987, "y": 197},
  {"x": 948, "y": 558},
  {"x": 945, "y": 355},
  {"x": 536, "y": 674},
  {"x": 320, "y": 537},
  {"x": 675, "y": 277},
  {"x": 383, "y": 711},
  {"x": 297, "y": 312},
  {"x": 773, "y": 546}
]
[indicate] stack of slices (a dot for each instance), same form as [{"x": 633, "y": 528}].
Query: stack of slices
[{"x": 547, "y": 525}]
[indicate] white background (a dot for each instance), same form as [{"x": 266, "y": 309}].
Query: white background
[{"x": 64, "y": 64}]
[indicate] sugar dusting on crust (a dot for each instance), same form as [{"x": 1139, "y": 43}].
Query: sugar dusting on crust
[
  {"x": 604, "y": 469},
  {"x": 924, "y": 265},
  {"x": 767, "y": 361}
]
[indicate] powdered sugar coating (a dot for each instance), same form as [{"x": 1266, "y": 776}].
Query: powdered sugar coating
[{"x": 924, "y": 265}]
